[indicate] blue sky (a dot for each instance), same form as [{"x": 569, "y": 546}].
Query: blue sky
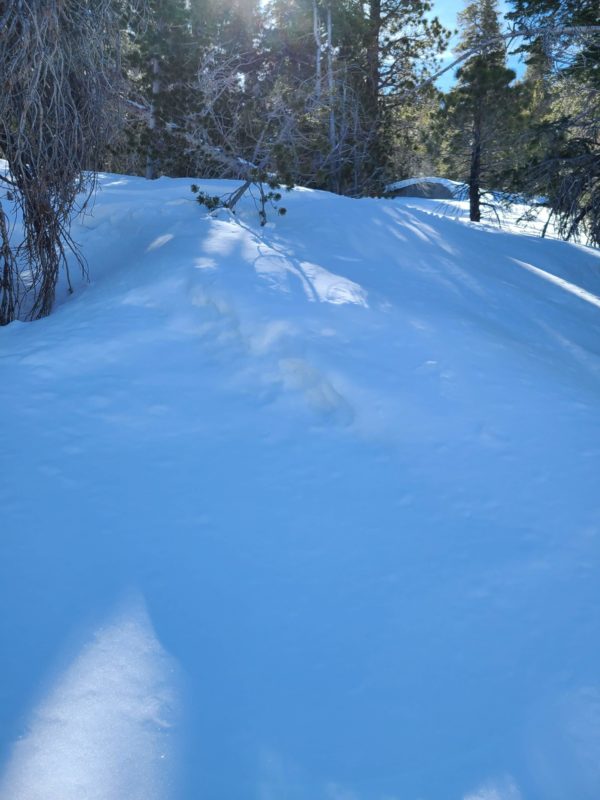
[{"x": 446, "y": 11}]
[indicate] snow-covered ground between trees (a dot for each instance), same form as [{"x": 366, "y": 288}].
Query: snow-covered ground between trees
[{"x": 307, "y": 512}]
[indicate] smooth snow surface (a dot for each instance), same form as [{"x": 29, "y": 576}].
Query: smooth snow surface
[
  {"x": 101, "y": 732},
  {"x": 350, "y": 463}
]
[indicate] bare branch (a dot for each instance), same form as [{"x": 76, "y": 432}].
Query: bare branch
[{"x": 58, "y": 105}]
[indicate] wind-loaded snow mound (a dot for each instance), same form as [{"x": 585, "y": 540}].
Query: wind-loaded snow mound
[{"x": 350, "y": 462}]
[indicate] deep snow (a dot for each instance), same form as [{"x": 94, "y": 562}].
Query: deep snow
[{"x": 305, "y": 512}]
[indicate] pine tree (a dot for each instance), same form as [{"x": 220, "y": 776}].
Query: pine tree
[
  {"x": 564, "y": 147},
  {"x": 401, "y": 43},
  {"x": 312, "y": 89},
  {"x": 161, "y": 64},
  {"x": 225, "y": 126},
  {"x": 319, "y": 64},
  {"x": 478, "y": 115}
]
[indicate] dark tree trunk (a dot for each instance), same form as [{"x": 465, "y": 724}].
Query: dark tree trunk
[
  {"x": 372, "y": 100},
  {"x": 151, "y": 165},
  {"x": 373, "y": 54},
  {"x": 475, "y": 172}
]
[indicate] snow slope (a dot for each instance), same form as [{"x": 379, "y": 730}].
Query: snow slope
[{"x": 331, "y": 486}]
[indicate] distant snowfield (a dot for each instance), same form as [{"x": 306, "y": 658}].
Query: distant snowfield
[{"x": 347, "y": 465}]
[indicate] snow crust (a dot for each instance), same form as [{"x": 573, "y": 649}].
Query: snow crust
[{"x": 350, "y": 463}]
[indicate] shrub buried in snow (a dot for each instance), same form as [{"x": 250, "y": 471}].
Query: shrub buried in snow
[{"x": 60, "y": 68}]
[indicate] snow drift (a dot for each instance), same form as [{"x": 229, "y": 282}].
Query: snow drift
[{"x": 350, "y": 461}]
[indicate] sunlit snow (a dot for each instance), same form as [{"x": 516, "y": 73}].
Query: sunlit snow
[
  {"x": 103, "y": 731},
  {"x": 349, "y": 464}
]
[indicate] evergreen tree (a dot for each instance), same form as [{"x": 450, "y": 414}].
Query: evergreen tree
[
  {"x": 319, "y": 64},
  {"x": 313, "y": 89},
  {"x": 564, "y": 146},
  {"x": 162, "y": 63},
  {"x": 225, "y": 122},
  {"x": 401, "y": 43},
  {"x": 478, "y": 116}
]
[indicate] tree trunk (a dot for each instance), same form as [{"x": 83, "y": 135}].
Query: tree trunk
[
  {"x": 57, "y": 114},
  {"x": 333, "y": 144},
  {"x": 318, "y": 52},
  {"x": 374, "y": 154},
  {"x": 373, "y": 55},
  {"x": 9, "y": 267},
  {"x": 475, "y": 171},
  {"x": 151, "y": 173}
]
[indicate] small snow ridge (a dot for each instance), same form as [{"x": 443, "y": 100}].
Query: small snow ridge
[
  {"x": 321, "y": 396},
  {"x": 103, "y": 731},
  {"x": 564, "y": 746},
  {"x": 205, "y": 263},
  {"x": 503, "y": 789},
  {"x": 160, "y": 241},
  {"x": 566, "y": 285},
  {"x": 331, "y": 288}
]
